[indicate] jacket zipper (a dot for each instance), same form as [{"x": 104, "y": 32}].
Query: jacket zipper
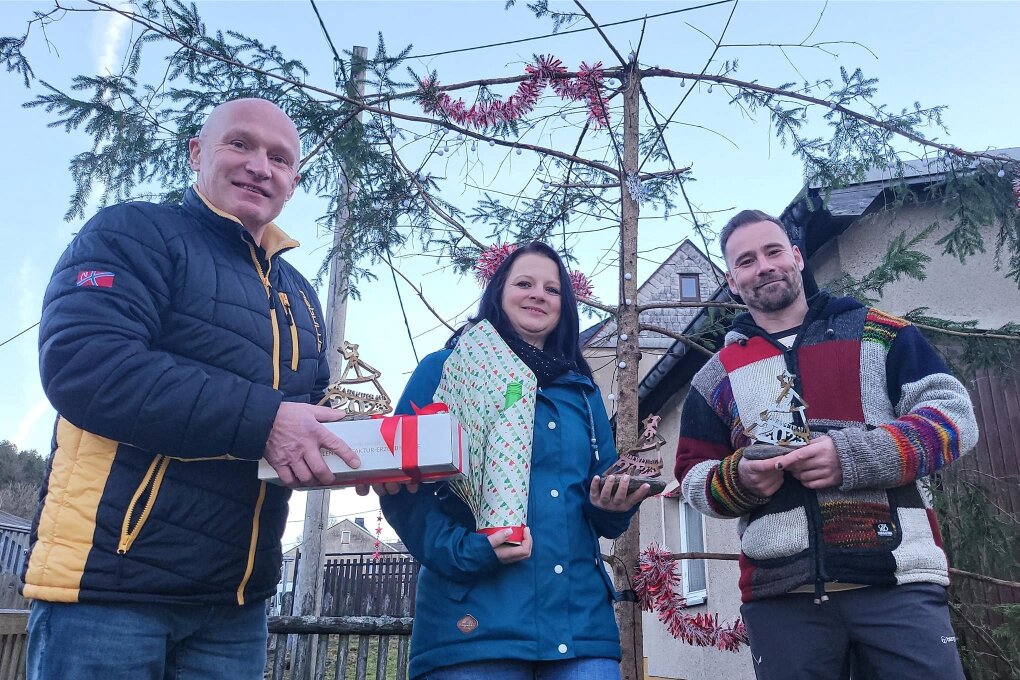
[
  {"x": 814, "y": 511},
  {"x": 250, "y": 566},
  {"x": 293, "y": 330},
  {"x": 145, "y": 495},
  {"x": 253, "y": 541},
  {"x": 264, "y": 277}
]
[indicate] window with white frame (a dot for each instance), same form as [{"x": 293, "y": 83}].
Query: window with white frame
[
  {"x": 345, "y": 537},
  {"x": 684, "y": 531},
  {"x": 692, "y": 539}
]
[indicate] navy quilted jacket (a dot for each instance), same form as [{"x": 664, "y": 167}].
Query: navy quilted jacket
[{"x": 168, "y": 340}]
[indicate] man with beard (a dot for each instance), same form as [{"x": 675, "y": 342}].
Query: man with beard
[{"x": 816, "y": 425}]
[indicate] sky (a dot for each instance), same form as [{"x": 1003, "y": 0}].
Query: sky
[{"x": 959, "y": 54}]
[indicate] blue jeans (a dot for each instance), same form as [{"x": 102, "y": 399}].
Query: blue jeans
[
  {"x": 568, "y": 669},
  {"x": 146, "y": 641}
]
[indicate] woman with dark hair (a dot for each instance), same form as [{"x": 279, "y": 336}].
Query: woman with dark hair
[{"x": 491, "y": 603}]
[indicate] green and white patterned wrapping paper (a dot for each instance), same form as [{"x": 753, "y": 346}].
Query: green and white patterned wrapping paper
[{"x": 474, "y": 385}]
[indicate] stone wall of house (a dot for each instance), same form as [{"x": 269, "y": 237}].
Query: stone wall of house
[
  {"x": 664, "y": 285},
  {"x": 960, "y": 292}
]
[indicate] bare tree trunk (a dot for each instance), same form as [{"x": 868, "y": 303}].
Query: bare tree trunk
[
  {"x": 628, "y": 354},
  {"x": 308, "y": 589}
]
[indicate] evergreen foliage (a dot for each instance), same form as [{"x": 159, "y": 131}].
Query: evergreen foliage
[
  {"x": 21, "y": 475},
  {"x": 979, "y": 537}
]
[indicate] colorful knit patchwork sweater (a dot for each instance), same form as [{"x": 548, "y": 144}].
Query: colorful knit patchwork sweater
[{"x": 873, "y": 384}]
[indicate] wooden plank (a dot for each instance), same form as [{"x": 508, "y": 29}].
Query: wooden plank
[
  {"x": 342, "y": 653},
  {"x": 21, "y": 657},
  {"x": 382, "y": 657},
  {"x": 403, "y": 645},
  {"x": 361, "y": 670},
  {"x": 13, "y": 621},
  {"x": 320, "y": 656},
  {"x": 350, "y": 625}
]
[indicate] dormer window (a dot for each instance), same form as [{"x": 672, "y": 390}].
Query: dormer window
[{"x": 690, "y": 288}]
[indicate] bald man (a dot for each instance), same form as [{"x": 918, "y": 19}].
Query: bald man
[{"x": 178, "y": 349}]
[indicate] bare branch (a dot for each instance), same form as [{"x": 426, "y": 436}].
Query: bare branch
[
  {"x": 676, "y": 336},
  {"x": 817, "y": 45},
  {"x": 678, "y": 305},
  {"x": 447, "y": 217},
  {"x": 421, "y": 295},
  {"x": 623, "y": 62}
]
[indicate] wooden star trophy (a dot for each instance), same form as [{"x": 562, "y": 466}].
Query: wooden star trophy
[
  {"x": 339, "y": 394},
  {"x": 643, "y": 461},
  {"x": 782, "y": 428}
]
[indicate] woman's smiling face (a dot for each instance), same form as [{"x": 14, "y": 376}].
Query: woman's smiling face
[{"x": 531, "y": 298}]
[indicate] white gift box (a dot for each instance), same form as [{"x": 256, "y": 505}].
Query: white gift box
[{"x": 394, "y": 449}]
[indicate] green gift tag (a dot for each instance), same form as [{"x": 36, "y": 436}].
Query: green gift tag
[{"x": 514, "y": 391}]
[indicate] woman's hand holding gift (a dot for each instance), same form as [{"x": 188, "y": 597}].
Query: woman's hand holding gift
[{"x": 508, "y": 553}]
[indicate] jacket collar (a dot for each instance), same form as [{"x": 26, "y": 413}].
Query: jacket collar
[
  {"x": 820, "y": 305},
  {"x": 274, "y": 239},
  {"x": 575, "y": 378}
]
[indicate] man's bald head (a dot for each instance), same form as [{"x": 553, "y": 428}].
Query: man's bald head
[
  {"x": 247, "y": 156},
  {"x": 228, "y": 111}
]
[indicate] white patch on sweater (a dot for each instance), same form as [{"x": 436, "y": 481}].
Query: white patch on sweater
[
  {"x": 874, "y": 395},
  {"x": 776, "y": 535},
  {"x": 917, "y": 557}
]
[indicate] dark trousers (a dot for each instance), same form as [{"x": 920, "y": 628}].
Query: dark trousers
[{"x": 891, "y": 633}]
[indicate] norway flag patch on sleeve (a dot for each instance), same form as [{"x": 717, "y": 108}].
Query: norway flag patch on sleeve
[{"x": 95, "y": 279}]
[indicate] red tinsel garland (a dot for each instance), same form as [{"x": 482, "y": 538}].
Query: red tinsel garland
[
  {"x": 656, "y": 584},
  {"x": 547, "y": 70}
]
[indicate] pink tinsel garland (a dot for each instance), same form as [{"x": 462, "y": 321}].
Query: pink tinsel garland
[
  {"x": 548, "y": 70},
  {"x": 656, "y": 584},
  {"x": 490, "y": 259}
]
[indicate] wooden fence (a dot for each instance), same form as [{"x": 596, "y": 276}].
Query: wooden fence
[
  {"x": 13, "y": 544},
  {"x": 357, "y": 584},
  {"x": 348, "y": 647},
  {"x": 13, "y": 640}
]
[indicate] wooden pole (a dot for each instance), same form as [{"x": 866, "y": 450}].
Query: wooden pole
[
  {"x": 628, "y": 354},
  {"x": 308, "y": 589}
]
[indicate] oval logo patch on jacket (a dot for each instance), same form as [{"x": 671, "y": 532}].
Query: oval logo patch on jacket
[{"x": 467, "y": 624}]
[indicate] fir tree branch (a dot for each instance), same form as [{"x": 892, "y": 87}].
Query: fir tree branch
[
  {"x": 170, "y": 35},
  {"x": 834, "y": 106},
  {"x": 447, "y": 217}
]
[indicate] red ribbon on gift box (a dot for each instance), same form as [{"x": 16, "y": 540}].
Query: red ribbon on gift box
[{"x": 408, "y": 436}]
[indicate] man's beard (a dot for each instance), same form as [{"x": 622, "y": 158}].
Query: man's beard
[{"x": 776, "y": 298}]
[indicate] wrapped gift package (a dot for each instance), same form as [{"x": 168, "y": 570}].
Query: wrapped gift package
[{"x": 428, "y": 447}]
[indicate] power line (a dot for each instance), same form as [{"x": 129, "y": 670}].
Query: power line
[
  {"x": 547, "y": 35},
  {"x": 19, "y": 334}
]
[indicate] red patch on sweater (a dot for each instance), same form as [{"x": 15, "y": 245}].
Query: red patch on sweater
[{"x": 830, "y": 375}]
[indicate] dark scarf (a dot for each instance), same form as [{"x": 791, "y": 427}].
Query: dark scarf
[{"x": 546, "y": 367}]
